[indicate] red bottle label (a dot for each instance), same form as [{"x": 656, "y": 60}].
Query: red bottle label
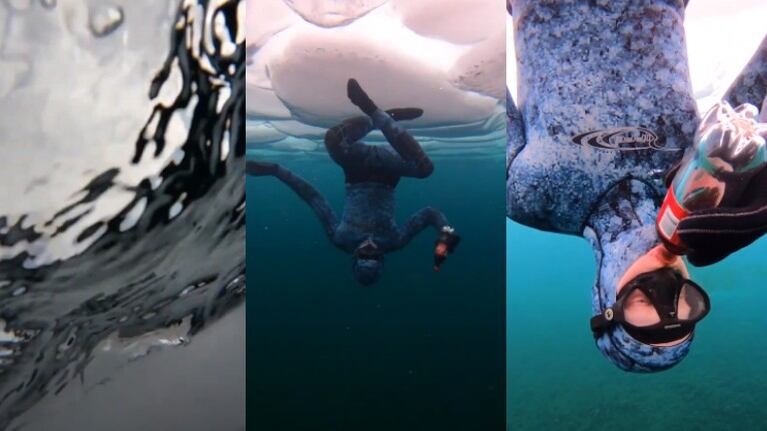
[{"x": 669, "y": 216}]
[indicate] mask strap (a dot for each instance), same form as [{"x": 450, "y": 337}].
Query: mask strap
[{"x": 601, "y": 322}]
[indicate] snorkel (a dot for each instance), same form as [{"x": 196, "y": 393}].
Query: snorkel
[{"x": 621, "y": 230}]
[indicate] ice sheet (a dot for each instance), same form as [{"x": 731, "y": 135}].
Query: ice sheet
[{"x": 446, "y": 57}]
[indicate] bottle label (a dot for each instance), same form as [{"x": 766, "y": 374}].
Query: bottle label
[{"x": 671, "y": 212}]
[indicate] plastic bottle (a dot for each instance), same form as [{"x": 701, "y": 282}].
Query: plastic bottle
[{"x": 728, "y": 150}]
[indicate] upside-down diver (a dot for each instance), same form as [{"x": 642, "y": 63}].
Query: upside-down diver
[
  {"x": 367, "y": 227},
  {"x": 605, "y": 109}
]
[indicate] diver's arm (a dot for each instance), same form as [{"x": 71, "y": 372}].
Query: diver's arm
[
  {"x": 303, "y": 189},
  {"x": 712, "y": 235},
  {"x": 419, "y": 221},
  {"x": 751, "y": 84}
]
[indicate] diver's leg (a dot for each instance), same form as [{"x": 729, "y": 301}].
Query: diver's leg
[
  {"x": 419, "y": 221},
  {"x": 302, "y": 188},
  {"x": 751, "y": 84},
  {"x": 340, "y": 140},
  {"x": 416, "y": 162},
  {"x": 343, "y": 140}
]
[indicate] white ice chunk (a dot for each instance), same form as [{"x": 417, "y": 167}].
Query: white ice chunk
[
  {"x": 264, "y": 103},
  {"x": 332, "y": 13},
  {"x": 311, "y": 73},
  {"x": 483, "y": 68},
  {"x": 261, "y": 133},
  {"x": 295, "y": 144},
  {"x": 457, "y": 21},
  {"x": 265, "y": 18},
  {"x": 298, "y": 129}
]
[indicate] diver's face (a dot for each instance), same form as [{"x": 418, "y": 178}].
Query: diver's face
[{"x": 638, "y": 309}]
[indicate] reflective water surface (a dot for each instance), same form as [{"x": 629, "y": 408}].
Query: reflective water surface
[{"x": 122, "y": 207}]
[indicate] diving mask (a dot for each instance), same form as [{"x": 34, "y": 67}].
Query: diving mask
[{"x": 655, "y": 307}]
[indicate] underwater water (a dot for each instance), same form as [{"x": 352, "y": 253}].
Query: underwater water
[
  {"x": 557, "y": 379},
  {"x": 122, "y": 217},
  {"x": 417, "y": 350}
]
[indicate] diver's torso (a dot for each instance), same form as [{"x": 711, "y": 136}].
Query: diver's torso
[
  {"x": 605, "y": 95},
  {"x": 368, "y": 213}
]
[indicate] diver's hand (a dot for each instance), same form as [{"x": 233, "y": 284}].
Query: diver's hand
[
  {"x": 260, "y": 169},
  {"x": 446, "y": 244},
  {"x": 358, "y": 96},
  {"x": 403, "y": 114},
  {"x": 714, "y": 234}
]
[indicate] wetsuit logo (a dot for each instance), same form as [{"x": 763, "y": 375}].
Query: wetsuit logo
[{"x": 622, "y": 139}]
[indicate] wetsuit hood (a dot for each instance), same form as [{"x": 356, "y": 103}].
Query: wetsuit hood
[
  {"x": 622, "y": 229},
  {"x": 367, "y": 271}
]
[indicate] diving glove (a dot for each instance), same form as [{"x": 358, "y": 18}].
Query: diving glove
[
  {"x": 713, "y": 234},
  {"x": 446, "y": 243}
]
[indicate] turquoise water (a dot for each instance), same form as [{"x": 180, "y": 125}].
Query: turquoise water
[
  {"x": 557, "y": 379},
  {"x": 418, "y": 350},
  {"x": 426, "y": 351}
]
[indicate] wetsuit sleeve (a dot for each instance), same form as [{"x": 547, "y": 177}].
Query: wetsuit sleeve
[
  {"x": 419, "y": 221},
  {"x": 712, "y": 235},
  {"x": 751, "y": 84},
  {"x": 302, "y": 188}
]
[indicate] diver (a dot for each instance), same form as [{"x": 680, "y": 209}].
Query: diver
[
  {"x": 601, "y": 117},
  {"x": 367, "y": 228}
]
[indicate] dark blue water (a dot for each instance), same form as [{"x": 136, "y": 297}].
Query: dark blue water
[
  {"x": 418, "y": 350},
  {"x": 557, "y": 379}
]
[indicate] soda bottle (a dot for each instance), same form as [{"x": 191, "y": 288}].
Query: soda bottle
[{"x": 727, "y": 151}]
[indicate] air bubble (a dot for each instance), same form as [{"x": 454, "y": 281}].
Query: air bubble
[
  {"x": 70, "y": 341},
  {"x": 103, "y": 20}
]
